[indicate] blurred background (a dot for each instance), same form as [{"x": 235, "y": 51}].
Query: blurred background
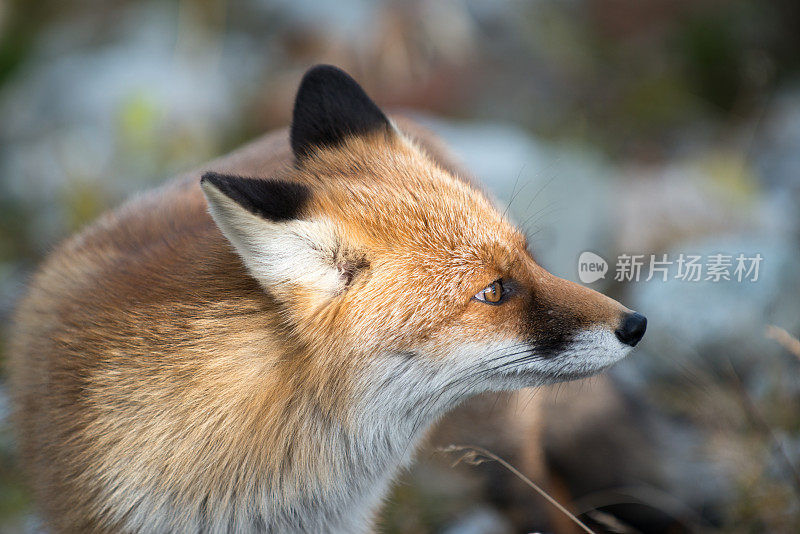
[{"x": 615, "y": 126}]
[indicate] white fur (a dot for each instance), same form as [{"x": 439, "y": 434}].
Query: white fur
[
  {"x": 590, "y": 352},
  {"x": 410, "y": 392},
  {"x": 279, "y": 254}
]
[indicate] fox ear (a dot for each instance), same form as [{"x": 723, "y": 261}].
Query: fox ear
[
  {"x": 329, "y": 107},
  {"x": 262, "y": 220}
]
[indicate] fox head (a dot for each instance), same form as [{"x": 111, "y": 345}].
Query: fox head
[{"x": 383, "y": 262}]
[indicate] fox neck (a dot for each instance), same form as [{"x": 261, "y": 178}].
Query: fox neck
[{"x": 344, "y": 461}]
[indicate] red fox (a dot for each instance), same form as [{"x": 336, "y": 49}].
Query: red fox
[{"x": 261, "y": 349}]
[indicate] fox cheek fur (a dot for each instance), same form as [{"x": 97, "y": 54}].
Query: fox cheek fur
[{"x": 260, "y": 349}]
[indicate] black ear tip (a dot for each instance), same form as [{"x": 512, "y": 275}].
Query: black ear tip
[
  {"x": 211, "y": 176},
  {"x": 276, "y": 200},
  {"x": 325, "y": 72},
  {"x": 223, "y": 182},
  {"x": 330, "y": 105},
  {"x": 321, "y": 77}
]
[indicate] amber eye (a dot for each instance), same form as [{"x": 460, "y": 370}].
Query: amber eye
[{"x": 492, "y": 294}]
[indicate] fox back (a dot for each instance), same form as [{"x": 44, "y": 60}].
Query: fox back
[{"x": 260, "y": 345}]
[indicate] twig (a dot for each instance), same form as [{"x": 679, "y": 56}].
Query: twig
[
  {"x": 474, "y": 455},
  {"x": 787, "y": 340}
]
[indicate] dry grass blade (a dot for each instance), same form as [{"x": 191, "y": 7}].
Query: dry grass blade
[
  {"x": 787, "y": 340},
  {"x": 761, "y": 423},
  {"x": 611, "y": 523},
  {"x": 474, "y": 455}
]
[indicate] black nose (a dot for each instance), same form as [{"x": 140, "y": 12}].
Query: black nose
[{"x": 632, "y": 328}]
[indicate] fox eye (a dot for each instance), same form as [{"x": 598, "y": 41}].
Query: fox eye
[{"x": 492, "y": 294}]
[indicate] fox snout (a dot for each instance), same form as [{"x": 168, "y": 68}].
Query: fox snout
[{"x": 576, "y": 331}]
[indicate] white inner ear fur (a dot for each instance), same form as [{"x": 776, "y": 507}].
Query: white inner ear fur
[{"x": 280, "y": 255}]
